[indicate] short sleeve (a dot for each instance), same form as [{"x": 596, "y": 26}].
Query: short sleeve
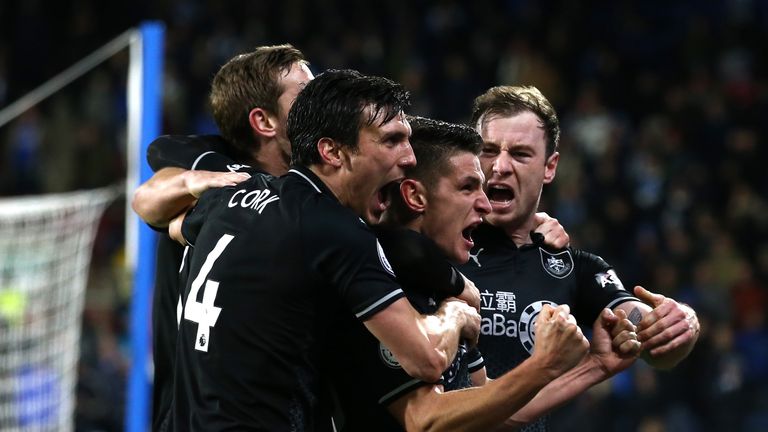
[
  {"x": 420, "y": 265},
  {"x": 599, "y": 287},
  {"x": 342, "y": 248},
  {"x": 189, "y": 152}
]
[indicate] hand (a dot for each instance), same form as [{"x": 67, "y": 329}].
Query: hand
[
  {"x": 198, "y": 182},
  {"x": 554, "y": 233},
  {"x": 174, "y": 228},
  {"x": 560, "y": 343},
  {"x": 466, "y": 314},
  {"x": 614, "y": 342},
  {"x": 669, "y": 328},
  {"x": 470, "y": 295}
]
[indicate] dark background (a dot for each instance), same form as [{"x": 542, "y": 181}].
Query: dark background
[{"x": 664, "y": 109}]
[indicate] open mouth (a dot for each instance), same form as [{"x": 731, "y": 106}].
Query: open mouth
[
  {"x": 386, "y": 193},
  {"x": 467, "y": 232},
  {"x": 500, "y": 194}
]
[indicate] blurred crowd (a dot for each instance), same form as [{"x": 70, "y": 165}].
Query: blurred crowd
[{"x": 664, "y": 109}]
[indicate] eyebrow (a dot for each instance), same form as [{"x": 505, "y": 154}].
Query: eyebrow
[
  {"x": 472, "y": 179},
  {"x": 393, "y": 135}
]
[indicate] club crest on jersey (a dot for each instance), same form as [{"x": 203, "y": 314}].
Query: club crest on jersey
[
  {"x": 383, "y": 258},
  {"x": 558, "y": 265},
  {"x": 387, "y": 357},
  {"x": 527, "y": 326}
]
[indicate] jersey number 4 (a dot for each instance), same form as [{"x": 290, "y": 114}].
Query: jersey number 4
[{"x": 204, "y": 313}]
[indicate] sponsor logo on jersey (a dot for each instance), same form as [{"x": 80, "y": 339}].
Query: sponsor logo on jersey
[
  {"x": 527, "y": 323},
  {"x": 387, "y": 357},
  {"x": 558, "y": 265},
  {"x": 609, "y": 278},
  {"x": 383, "y": 258},
  {"x": 503, "y": 301},
  {"x": 236, "y": 167},
  {"x": 475, "y": 257}
]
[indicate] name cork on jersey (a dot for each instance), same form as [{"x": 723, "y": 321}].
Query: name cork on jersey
[{"x": 256, "y": 199}]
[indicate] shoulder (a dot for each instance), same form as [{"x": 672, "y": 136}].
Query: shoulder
[{"x": 583, "y": 257}]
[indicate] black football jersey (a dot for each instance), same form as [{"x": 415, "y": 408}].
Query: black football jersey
[
  {"x": 365, "y": 376},
  {"x": 201, "y": 152},
  {"x": 275, "y": 263},
  {"x": 515, "y": 283}
]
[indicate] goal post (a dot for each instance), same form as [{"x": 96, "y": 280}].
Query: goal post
[
  {"x": 144, "y": 120},
  {"x": 145, "y": 45}
]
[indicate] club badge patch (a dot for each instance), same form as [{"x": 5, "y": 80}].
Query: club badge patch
[
  {"x": 558, "y": 265},
  {"x": 387, "y": 357}
]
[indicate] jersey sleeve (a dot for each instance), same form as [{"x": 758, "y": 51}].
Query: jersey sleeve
[
  {"x": 345, "y": 251},
  {"x": 421, "y": 268},
  {"x": 475, "y": 360},
  {"x": 192, "y": 152},
  {"x": 598, "y": 287}
]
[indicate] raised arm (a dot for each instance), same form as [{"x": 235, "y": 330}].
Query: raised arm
[
  {"x": 171, "y": 191},
  {"x": 185, "y": 166},
  {"x": 425, "y": 345},
  {"x": 560, "y": 345}
]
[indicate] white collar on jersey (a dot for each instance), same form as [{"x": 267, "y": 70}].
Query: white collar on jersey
[{"x": 295, "y": 171}]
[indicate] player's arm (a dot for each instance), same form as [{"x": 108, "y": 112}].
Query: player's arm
[
  {"x": 425, "y": 345},
  {"x": 559, "y": 346},
  {"x": 667, "y": 329},
  {"x": 171, "y": 191},
  {"x": 613, "y": 348},
  {"x": 185, "y": 166}
]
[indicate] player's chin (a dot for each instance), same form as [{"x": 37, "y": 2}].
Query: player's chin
[{"x": 460, "y": 254}]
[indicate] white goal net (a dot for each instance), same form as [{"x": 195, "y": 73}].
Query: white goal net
[{"x": 45, "y": 251}]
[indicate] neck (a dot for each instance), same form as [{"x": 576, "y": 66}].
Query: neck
[
  {"x": 519, "y": 233},
  {"x": 331, "y": 179},
  {"x": 270, "y": 158},
  {"x": 413, "y": 221}
]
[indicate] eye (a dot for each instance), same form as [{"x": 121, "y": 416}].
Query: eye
[
  {"x": 489, "y": 151},
  {"x": 521, "y": 154}
]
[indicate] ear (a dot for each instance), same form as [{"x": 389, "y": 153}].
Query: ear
[
  {"x": 262, "y": 122},
  {"x": 551, "y": 168},
  {"x": 414, "y": 195},
  {"x": 330, "y": 152}
]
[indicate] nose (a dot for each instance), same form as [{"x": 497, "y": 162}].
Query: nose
[
  {"x": 502, "y": 165},
  {"x": 407, "y": 159},
  {"x": 482, "y": 204}
]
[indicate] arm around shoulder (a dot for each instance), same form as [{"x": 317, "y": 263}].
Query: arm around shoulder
[{"x": 424, "y": 345}]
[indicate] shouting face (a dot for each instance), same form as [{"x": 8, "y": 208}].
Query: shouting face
[{"x": 516, "y": 167}]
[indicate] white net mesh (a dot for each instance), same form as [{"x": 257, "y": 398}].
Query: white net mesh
[{"x": 45, "y": 251}]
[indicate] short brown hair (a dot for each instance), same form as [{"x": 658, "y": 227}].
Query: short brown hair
[
  {"x": 434, "y": 142},
  {"x": 245, "y": 82},
  {"x": 508, "y": 101}
]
